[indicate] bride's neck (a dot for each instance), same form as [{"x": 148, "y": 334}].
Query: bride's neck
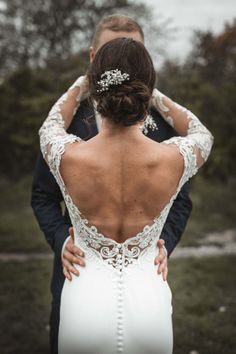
[{"x": 110, "y": 128}]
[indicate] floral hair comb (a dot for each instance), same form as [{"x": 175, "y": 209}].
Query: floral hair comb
[{"x": 112, "y": 77}]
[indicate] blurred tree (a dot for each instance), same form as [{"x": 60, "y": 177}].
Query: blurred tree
[
  {"x": 33, "y": 32},
  {"x": 25, "y": 98},
  {"x": 206, "y": 83},
  {"x": 214, "y": 56},
  {"x": 42, "y": 50}
]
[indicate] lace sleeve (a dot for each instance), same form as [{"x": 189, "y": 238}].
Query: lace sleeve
[
  {"x": 195, "y": 140},
  {"x": 52, "y": 134}
]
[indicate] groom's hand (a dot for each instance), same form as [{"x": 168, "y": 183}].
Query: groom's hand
[
  {"x": 161, "y": 259},
  {"x": 71, "y": 255}
]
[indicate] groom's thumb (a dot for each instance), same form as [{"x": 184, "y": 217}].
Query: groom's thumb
[{"x": 71, "y": 232}]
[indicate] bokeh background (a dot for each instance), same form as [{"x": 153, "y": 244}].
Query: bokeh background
[{"x": 43, "y": 48}]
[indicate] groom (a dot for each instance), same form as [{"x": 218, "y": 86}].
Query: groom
[{"x": 47, "y": 198}]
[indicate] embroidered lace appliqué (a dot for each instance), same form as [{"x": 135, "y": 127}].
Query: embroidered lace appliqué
[
  {"x": 119, "y": 255},
  {"x": 53, "y": 136},
  {"x": 198, "y": 136}
]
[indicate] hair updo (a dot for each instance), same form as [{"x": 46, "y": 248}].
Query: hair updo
[{"x": 128, "y": 102}]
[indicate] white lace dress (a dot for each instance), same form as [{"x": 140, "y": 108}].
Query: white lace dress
[{"x": 118, "y": 304}]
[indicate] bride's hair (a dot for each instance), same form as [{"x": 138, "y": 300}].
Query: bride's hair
[{"x": 128, "y": 102}]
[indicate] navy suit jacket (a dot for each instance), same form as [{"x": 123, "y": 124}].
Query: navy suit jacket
[{"x": 46, "y": 195}]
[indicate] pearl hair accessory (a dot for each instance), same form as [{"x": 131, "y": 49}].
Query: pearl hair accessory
[{"x": 112, "y": 77}]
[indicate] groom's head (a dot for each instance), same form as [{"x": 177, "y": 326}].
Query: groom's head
[{"x": 115, "y": 26}]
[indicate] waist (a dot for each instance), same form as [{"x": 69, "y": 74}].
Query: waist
[{"x": 118, "y": 256}]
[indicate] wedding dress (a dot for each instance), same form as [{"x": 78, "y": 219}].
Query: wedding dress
[{"x": 118, "y": 304}]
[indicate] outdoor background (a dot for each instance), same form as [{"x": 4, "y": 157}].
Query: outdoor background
[{"x": 43, "y": 49}]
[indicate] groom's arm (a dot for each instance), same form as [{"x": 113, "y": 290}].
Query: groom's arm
[
  {"x": 46, "y": 203},
  {"x": 177, "y": 219}
]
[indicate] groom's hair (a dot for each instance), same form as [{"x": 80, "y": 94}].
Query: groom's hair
[{"x": 116, "y": 23}]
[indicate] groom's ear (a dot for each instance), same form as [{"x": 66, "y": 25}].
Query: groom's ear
[{"x": 91, "y": 54}]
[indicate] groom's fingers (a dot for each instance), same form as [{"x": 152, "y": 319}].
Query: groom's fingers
[
  {"x": 68, "y": 268},
  {"x": 71, "y": 232},
  {"x": 163, "y": 269},
  {"x": 67, "y": 274},
  {"x": 73, "y": 253},
  {"x": 161, "y": 259},
  {"x": 161, "y": 256},
  {"x": 74, "y": 249},
  {"x": 72, "y": 258},
  {"x": 165, "y": 273}
]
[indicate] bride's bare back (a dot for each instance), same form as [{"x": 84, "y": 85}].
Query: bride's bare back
[
  {"x": 121, "y": 183},
  {"x": 121, "y": 180}
]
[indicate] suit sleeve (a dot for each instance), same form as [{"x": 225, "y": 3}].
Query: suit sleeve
[
  {"x": 177, "y": 219},
  {"x": 46, "y": 201}
]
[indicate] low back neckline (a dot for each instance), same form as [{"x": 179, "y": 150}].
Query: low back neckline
[{"x": 92, "y": 229}]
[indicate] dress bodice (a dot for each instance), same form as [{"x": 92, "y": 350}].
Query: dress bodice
[
  {"x": 112, "y": 253},
  {"x": 53, "y": 141},
  {"x": 102, "y": 248}
]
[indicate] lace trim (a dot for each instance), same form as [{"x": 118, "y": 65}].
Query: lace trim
[
  {"x": 170, "y": 121},
  {"x": 200, "y": 135},
  {"x": 186, "y": 147},
  {"x": 197, "y": 134},
  {"x": 118, "y": 255},
  {"x": 53, "y": 136}
]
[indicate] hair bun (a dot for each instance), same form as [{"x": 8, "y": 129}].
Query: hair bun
[
  {"x": 126, "y": 104},
  {"x": 122, "y": 101}
]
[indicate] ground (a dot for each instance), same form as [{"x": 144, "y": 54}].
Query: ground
[{"x": 204, "y": 295}]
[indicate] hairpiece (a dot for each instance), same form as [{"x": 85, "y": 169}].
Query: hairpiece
[{"x": 112, "y": 77}]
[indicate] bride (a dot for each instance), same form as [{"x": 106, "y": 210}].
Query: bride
[{"x": 119, "y": 187}]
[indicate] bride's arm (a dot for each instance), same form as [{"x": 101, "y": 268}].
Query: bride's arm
[
  {"x": 186, "y": 125},
  {"x": 53, "y": 135},
  {"x": 69, "y": 102}
]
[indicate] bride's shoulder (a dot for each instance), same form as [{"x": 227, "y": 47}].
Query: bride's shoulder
[
  {"x": 166, "y": 156},
  {"x": 172, "y": 156}
]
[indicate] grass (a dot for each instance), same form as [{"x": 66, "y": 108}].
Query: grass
[
  {"x": 204, "y": 302},
  {"x": 18, "y": 227},
  {"x": 214, "y": 209},
  {"x": 25, "y": 306},
  {"x": 204, "y": 295},
  {"x": 200, "y": 289}
]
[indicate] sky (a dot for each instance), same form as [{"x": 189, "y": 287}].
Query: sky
[{"x": 188, "y": 15}]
